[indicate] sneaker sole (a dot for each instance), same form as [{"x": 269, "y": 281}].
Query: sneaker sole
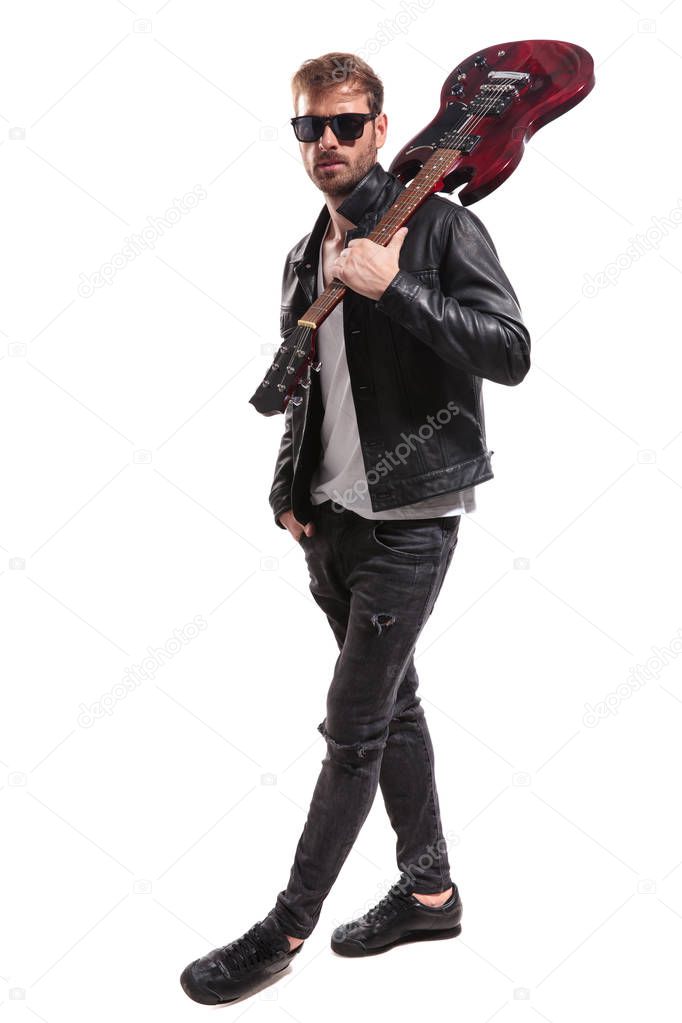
[{"x": 344, "y": 948}]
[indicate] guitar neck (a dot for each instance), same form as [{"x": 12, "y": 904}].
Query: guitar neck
[{"x": 427, "y": 181}]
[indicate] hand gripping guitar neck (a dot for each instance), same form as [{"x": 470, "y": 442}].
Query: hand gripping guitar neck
[{"x": 490, "y": 105}]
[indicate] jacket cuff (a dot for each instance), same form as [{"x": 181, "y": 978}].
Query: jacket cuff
[
  {"x": 279, "y": 505},
  {"x": 402, "y": 289}
]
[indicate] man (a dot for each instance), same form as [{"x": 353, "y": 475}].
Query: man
[{"x": 376, "y": 466}]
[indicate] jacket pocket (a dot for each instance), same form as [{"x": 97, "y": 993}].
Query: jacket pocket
[
  {"x": 413, "y": 539},
  {"x": 287, "y": 321}
]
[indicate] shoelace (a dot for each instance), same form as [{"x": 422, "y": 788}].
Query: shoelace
[
  {"x": 386, "y": 907},
  {"x": 253, "y": 947}
]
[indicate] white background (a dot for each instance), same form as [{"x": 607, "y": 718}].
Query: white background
[{"x": 134, "y": 478}]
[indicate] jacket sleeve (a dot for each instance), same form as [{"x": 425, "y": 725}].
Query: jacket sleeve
[
  {"x": 473, "y": 321},
  {"x": 280, "y": 491}
]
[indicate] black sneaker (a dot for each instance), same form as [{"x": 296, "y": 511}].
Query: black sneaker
[
  {"x": 399, "y": 917},
  {"x": 239, "y": 968}
]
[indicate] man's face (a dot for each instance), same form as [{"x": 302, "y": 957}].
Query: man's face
[{"x": 336, "y": 166}]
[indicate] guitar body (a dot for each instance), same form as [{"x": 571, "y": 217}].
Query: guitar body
[{"x": 561, "y": 74}]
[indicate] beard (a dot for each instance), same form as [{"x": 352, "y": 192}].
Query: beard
[{"x": 342, "y": 181}]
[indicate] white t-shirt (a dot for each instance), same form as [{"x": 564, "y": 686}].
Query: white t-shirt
[{"x": 340, "y": 474}]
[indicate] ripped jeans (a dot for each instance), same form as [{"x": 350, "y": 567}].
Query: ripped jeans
[{"x": 377, "y": 581}]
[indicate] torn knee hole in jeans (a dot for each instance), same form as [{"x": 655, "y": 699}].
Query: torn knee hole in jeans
[
  {"x": 382, "y": 620},
  {"x": 352, "y": 750}
]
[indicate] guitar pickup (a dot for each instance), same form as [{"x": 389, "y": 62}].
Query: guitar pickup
[
  {"x": 468, "y": 143},
  {"x": 484, "y": 104}
]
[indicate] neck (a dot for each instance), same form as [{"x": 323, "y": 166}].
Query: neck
[{"x": 338, "y": 225}]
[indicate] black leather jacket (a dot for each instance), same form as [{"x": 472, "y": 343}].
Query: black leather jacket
[{"x": 416, "y": 357}]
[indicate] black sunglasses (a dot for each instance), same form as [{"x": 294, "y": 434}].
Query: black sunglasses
[{"x": 309, "y": 128}]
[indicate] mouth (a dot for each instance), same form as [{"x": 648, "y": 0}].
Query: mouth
[{"x": 332, "y": 163}]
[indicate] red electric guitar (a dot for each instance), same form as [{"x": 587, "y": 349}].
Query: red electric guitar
[{"x": 490, "y": 105}]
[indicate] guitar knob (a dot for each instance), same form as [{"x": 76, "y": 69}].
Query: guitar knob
[
  {"x": 457, "y": 90},
  {"x": 296, "y": 399},
  {"x": 480, "y": 61}
]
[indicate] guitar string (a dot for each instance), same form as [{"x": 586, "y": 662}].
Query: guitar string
[
  {"x": 406, "y": 211},
  {"x": 447, "y": 141},
  {"x": 450, "y": 138}
]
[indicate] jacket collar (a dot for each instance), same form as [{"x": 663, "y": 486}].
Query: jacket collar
[
  {"x": 366, "y": 194},
  {"x": 364, "y": 206}
]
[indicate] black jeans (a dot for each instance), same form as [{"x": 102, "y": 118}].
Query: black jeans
[{"x": 377, "y": 581}]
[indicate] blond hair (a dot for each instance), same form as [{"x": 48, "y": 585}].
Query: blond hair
[{"x": 330, "y": 70}]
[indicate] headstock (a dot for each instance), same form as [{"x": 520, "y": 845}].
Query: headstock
[{"x": 288, "y": 372}]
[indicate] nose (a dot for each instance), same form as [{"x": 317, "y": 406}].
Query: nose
[{"x": 328, "y": 139}]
